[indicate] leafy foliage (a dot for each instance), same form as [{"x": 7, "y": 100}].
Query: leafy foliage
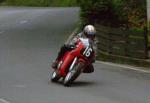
[
  {"x": 95, "y": 10},
  {"x": 1, "y": 1},
  {"x": 115, "y": 13}
]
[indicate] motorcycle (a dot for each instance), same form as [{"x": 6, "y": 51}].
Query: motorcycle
[{"x": 73, "y": 63}]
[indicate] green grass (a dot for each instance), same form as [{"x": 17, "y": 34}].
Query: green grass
[
  {"x": 63, "y": 3},
  {"x": 43, "y": 3}
]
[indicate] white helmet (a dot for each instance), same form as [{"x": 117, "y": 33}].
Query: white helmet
[{"x": 89, "y": 31}]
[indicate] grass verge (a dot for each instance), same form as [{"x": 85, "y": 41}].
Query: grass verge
[{"x": 40, "y": 3}]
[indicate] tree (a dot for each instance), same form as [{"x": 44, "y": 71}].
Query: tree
[{"x": 115, "y": 13}]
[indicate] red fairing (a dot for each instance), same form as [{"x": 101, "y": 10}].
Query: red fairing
[
  {"x": 67, "y": 59},
  {"x": 80, "y": 53}
]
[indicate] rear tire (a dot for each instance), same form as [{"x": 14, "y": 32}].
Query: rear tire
[
  {"x": 73, "y": 74},
  {"x": 55, "y": 76}
]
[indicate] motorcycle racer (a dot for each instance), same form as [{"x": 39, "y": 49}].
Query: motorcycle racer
[{"x": 89, "y": 32}]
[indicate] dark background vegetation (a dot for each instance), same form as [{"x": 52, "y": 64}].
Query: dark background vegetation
[{"x": 115, "y": 13}]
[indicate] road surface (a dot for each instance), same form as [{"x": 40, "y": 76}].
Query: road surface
[{"x": 30, "y": 39}]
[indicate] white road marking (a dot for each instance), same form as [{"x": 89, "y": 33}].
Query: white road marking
[
  {"x": 23, "y": 21},
  {"x": 125, "y": 66},
  {"x": 3, "y": 100}
]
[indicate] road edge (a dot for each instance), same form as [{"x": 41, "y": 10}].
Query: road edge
[{"x": 125, "y": 66}]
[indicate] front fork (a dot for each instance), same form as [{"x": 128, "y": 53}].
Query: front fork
[{"x": 73, "y": 63}]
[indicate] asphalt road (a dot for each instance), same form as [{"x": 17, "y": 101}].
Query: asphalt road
[{"x": 30, "y": 39}]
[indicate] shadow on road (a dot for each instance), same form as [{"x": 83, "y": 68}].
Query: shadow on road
[
  {"x": 82, "y": 83},
  {"x": 76, "y": 83}
]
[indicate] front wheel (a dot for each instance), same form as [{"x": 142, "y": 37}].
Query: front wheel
[
  {"x": 55, "y": 76},
  {"x": 73, "y": 74}
]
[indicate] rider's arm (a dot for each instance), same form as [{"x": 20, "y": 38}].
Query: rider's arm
[{"x": 75, "y": 39}]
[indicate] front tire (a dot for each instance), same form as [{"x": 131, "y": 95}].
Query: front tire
[
  {"x": 73, "y": 74},
  {"x": 55, "y": 76}
]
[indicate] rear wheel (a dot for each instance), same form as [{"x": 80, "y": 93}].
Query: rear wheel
[
  {"x": 73, "y": 74},
  {"x": 55, "y": 76}
]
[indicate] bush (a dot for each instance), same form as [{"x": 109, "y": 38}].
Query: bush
[
  {"x": 1, "y": 1},
  {"x": 115, "y": 13},
  {"x": 95, "y": 11}
]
